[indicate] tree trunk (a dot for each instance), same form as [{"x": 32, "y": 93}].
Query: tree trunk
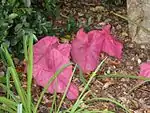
[{"x": 139, "y": 12}]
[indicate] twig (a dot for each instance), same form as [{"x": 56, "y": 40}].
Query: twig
[
  {"x": 129, "y": 20},
  {"x": 137, "y": 86},
  {"x": 64, "y": 16}
]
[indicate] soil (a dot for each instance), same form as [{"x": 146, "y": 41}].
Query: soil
[{"x": 121, "y": 89}]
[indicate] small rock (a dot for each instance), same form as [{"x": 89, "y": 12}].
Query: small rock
[
  {"x": 139, "y": 111},
  {"x": 97, "y": 9},
  {"x": 16, "y": 60},
  {"x": 96, "y": 91},
  {"x": 124, "y": 34},
  {"x": 139, "y": 61},
  {"x": 133, "y": 59},
  {"x": 143, "y": 46},
  {"x": 131, "y": 67},
  {"x": 80, "y": 14},
  {"x": 2, "y": 73},
  {"x": 43, "y": 109},
  {"x": 128, "y": 63},
  {"x": 106, "y": 85},
  {"x": 131, "y": 45},
  {"x": 107, "y": 20},
  {"x": 142, "y": 55},
  {"x": 99, "y": 16},
  {"x": 81, "y": 88},
  {"x": 118, "y": 27}
]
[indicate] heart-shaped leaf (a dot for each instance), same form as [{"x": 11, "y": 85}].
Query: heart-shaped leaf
[
  {"x": 145, "y": 69},
  {"x": 110, "y": 45},
  {"x": 86, "y": 48},
  {"x": 49, "y": 56}
]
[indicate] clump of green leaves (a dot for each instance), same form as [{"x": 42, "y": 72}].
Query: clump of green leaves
[
  {"x": 71, "y": 25},
  {"x": 6, "y": 20},
  {"x": 24, "y": 104},
  {"x": 19, "y": 18},
  {"x": 51, "y": 7}
]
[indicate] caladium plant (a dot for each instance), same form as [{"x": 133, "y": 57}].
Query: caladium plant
[
  {"x": 110, "y": 45},
  {"x": 86, "y": 47},
  {"x": 49, "y": 56},
  {"x": 145, "y": 69}
]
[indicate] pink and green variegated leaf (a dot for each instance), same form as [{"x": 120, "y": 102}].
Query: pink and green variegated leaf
[
  {"x": 49, "y": 57},
  {"x": 110, "y": 45},
  {"x": 145, "y": 69},
  {"x": 86, "y": 49}
]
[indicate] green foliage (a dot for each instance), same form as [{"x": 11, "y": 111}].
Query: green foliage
[
  {"x": 19, "y": 18},
  {"x": 24, "y": 103},
  {"x": 6, "y": 20},
  {"x": 71, "y": 25},
  {"x": 2, "y": 79},
  {"x": 51, "y": 8},
  {"x": 10, "y": 102}
]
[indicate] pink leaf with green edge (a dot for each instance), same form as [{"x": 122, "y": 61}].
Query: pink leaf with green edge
[
  {"x": 49, "y": 57},
  {"x": 145, "y": 69},
  {"x": 110, "y": 45},
  {"x": 86, "y": 48}
]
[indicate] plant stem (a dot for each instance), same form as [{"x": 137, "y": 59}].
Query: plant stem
[
  {"x": 108, "y": 99},
  {"x": 29, "y": 73},
  {"x": 47, "y": 85},
  {"x": 66, "y": 89},
  {"x": 85, "y": 88},
  {"x": 8, "y": 102},
  {"x": 123, "y": 76},
  {"x": 18, "y": 86},
  {"x": 8, "y": 109}
]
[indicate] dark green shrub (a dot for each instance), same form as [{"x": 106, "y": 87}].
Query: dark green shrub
[{"x": 21, "y": 17}]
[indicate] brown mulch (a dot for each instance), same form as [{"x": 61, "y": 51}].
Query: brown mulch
[{"x": 138, "y": 100}]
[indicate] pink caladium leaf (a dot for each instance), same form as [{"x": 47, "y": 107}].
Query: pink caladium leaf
[
  {"x": 145, "y": 69},
  {"x": 110, "y": 45},
  {"x": 49, "y": 57},
  {"x": 86, "y": 48}
]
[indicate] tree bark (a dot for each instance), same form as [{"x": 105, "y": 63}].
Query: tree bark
[{"x": 139, "y": 12}]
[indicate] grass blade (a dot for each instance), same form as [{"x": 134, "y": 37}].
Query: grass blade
[
  {"x": 8, "y": 82},
  {"x": 53, "y": 104},
  {"x": 29, "y": 72},
  {"x": 8, "y": 57},
  {"x": 19, "y": 108},
  {"x": 76, "y": 105},
  {"x": 66, "y": 89},
  {"x": 124, "y": 76},
  {"x": 11, "y": 68},
  {"x": 10, "y": 93},
  {"x": 18, "y": 86},
  {"x": 8, "y": 109},
  {"x": 110, "y": 100},
  {"x": 49, "y": 82},
  {"x": 9, "y": 103},
  {"x": 25, "y": 48},
  {"x": 2, "y": 79}
]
